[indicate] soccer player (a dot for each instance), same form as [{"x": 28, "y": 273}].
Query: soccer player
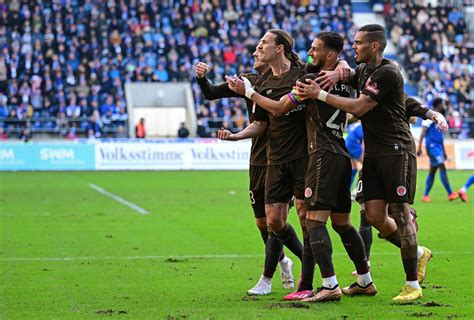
[
  {"x": 354, "y": 144},
  {"x": 327, "y": 192},
  {"x": 413, "y": 109},
  {"x": 436, "y": 152},
  {"x": 463, "y": 191},
  {"x": 287, "y": 153},
  {"x": 389, "y": 170},
  {"x": 257, "y": 172}
]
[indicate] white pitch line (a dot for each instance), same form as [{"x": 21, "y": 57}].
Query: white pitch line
[
  {"x": 119, "y": 199},
  {"x": 208, "y": 256}
]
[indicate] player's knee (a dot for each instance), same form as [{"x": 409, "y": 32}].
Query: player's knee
[
  {"x": 275, "y": 224},
  {"x": 375, "y": 220},
  {"x": 340, "y": 228},
  {"x": 395, "y": 210},
  {"x": 261, "y": 224},
  {"x": 301, "y": 208}
]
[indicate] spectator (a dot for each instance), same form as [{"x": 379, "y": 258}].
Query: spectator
[
  {"x": 455, "y": 124},
  {"x": 140, "y": 131},
  {"x": 26, "y": 135},
  {"x": 433, "y": 47},
  {"x": 62, "y": 124},
  {"x": 238, "y": 120},
  {"x": 72, "y": 133},
  {"x": 3, "y": 134},
  {"x": 94, "y": 125},
  {"x": 121, "y": 132},
  {"x": 183, "y": 132},
  {"x": 90, "y": 49},
  {"x": 201, "y": 129},
  {"x": 73, "y": 110}
]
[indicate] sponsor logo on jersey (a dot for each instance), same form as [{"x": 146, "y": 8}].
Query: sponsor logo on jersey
[
  {"x": 371, "y": 86},
  {"x": 308, "y": 192},
  {"x": 401, "y": 191}
]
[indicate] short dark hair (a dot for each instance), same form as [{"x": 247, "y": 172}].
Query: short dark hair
[
  {"x": 375, "y": 33},
  {"x": 332, "y": 40},
  {"x": 439, "y": 106}
]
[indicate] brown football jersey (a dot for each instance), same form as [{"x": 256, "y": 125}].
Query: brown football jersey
[{"x": 287, "y": 133}]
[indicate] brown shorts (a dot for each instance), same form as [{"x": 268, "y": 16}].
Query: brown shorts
[
  {"x": 327, "y": 181},
  {"x": 257, "y": 189},
  {"x": 390, "y": 178},
  {"x": 285, "y": 180}
]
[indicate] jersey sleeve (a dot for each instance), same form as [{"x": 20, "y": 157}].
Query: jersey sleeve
[
  {"x": 414, "y": 108},
  {"x": 380, "y": 83},
  {"x": 426, "y": 123},
  {"x": 212, "y": 92}
]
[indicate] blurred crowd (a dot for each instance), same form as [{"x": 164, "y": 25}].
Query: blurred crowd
[
  {"x": 437, "y": 53},
  {"x": 64, "y": 63}
]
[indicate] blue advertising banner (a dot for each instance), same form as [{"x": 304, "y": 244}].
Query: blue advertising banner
[{"x": 46, "y": 156}]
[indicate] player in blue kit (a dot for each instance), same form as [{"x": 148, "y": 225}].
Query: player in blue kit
[
  {"x": 354, "y": 144},
  {"x": 436, "y": 152}
]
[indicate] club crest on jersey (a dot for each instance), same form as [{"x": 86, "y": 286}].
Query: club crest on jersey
[
  {"x": 401, "y": 191},
  {"x": 371, "y": 86},
  {"x": 308, "y": 192}
]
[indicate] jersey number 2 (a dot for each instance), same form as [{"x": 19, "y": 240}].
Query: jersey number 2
[{"x": 330, "y": 123}]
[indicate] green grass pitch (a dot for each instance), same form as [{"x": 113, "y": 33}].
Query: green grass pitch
[{"x": 70, "y": 252}]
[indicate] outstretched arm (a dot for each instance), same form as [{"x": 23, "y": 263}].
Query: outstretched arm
[
  {"x": 254, "y": 129},
  {"x": 210, "y": 91},
  {"x": 358, "y": 107},
  {"x": 416, "y": 109},
  {"x": 243, "y": 86}
]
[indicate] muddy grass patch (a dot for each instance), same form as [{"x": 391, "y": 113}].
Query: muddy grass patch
[{"x": 291, "y": 305}]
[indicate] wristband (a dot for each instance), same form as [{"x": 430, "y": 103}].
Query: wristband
[
  {"x": 292, "y": 98},
  {"x": 248, "y": 88},
  {"x": 248, "y": 92},
  {"x": 322, "y": 95}
]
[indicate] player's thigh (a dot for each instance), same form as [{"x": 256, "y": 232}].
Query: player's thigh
[
  {"x": 355, "y": 153},
  {"x": 436, "y": 156}
]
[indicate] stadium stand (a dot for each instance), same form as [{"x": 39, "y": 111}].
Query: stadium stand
[
  {"x": 64, "y": 63},
  {"x": 436, "y": 50}
]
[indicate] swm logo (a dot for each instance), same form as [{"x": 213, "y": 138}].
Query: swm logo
[{"x": 57, "y": 154}]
